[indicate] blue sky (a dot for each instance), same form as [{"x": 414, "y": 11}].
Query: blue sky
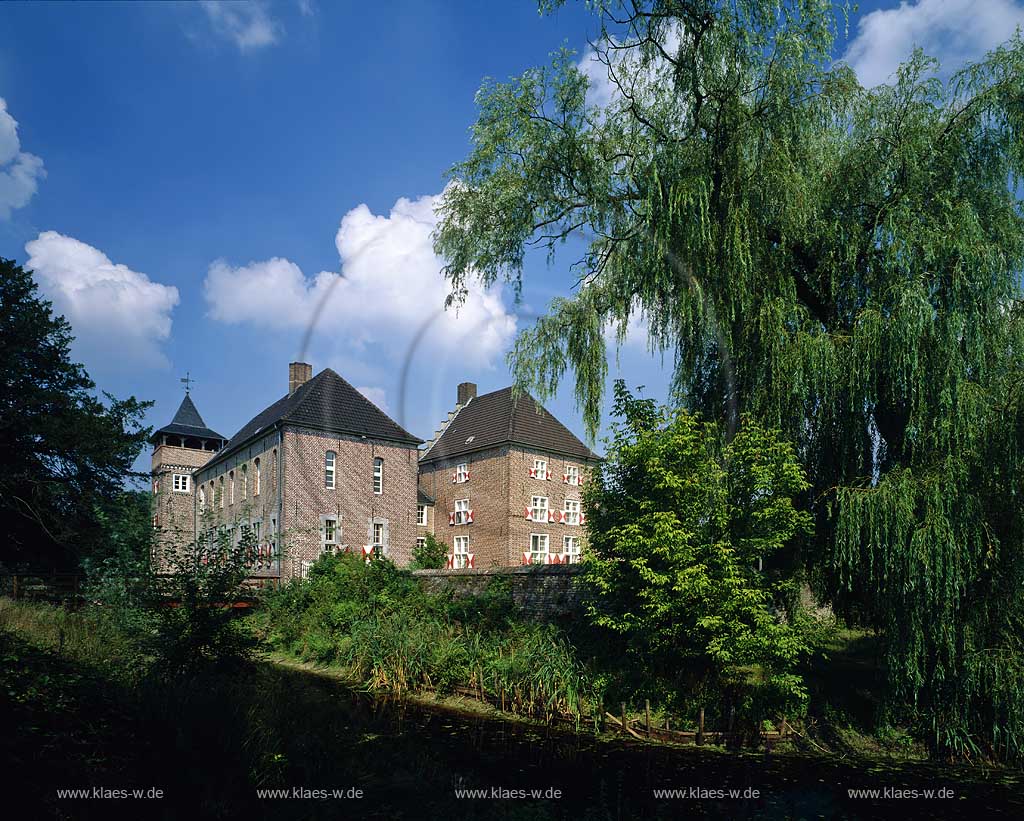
[{"x": 190, "y": 178}]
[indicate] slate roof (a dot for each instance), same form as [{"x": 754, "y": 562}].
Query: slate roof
[
  {"x": 423, "y": 498},
  {"x": 326, "y": 402},
  {"x": 187, "y": 422},
  {"x": 497, "y": 418}
]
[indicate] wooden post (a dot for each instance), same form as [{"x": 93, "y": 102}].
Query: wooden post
[
  {"x": 782, "y": 728},
  {"x": 624, "y": 723},
  {"x": 700, "y": 726},
  {"x": 647, "y": 714},
  {"x": 667, "y": 722}
]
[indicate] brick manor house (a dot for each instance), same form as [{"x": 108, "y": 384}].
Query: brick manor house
[{"x": 324, "y": 469}]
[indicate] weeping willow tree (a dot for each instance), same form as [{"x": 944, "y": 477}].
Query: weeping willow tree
[{"x": 838, "y": 262}]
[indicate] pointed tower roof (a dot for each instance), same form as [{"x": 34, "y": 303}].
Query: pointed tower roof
[{"x": 187, "y": 422}]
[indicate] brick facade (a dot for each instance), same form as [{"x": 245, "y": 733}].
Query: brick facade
[
  {"x": 499, "y": 489},
  {"x": 272, "y": 478},
  {"x": 173, "y": 510},
  {"x": 352, "y": 500},
  {"x": 242, "y": 489}
]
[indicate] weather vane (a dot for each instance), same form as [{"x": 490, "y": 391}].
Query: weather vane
[{"x": 187, "y": 381}]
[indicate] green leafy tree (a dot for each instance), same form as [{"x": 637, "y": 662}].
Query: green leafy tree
[
  {"x": 431, "y": 556},
  {"x": 66, "y": 456},
  {"x": 679, "y": 528},
  {"x": 204, "y": 580},
  {"x": 838, "y": 262}
]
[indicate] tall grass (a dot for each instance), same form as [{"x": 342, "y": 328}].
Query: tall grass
[{"x": 377, "y": 625}]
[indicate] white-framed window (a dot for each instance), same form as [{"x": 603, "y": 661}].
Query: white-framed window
[
  {"x": 461, "y": 552},
  {"x": 330, "y": 460},
  {"x": 539, "y": 469},
  {"x": 180, "y": 482},
  {"x": 462, "y": 512},
  {"x": 256, "y": 476},
  {"x": 244, "y": 470},
  {"x": 571, "y": 548},
  {"x": 421, "y": 515},
  {"x": 330, "y": 533},
  {"x": 231, "y": 488},
  {"x": 156, "y": 485},
  {"x": 461, "y": 473},
  {"x": 538, "y": 548},
  {"x": 539, "y": 509},
  {"x": 378, "y": 537},
  {"x": 571, "y": 514},
  {"x": 378, "y": 476},
  {"x": 421, "y": 542},
  {"x": 571, "y": 475}
]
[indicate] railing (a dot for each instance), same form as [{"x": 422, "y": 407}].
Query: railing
[
  {"x": 69, "y": 587},
  {"x": 51, "y": 586}
]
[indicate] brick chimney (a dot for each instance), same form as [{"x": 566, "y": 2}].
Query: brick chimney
[
  {"x": 298, "y": 374},
  {"x": 467, "y": 391}
]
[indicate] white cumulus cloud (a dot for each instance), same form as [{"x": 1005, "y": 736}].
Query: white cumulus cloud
[
  {"x": 377, "y": 396},
  {"x": 249, "y": 25},
  {"x": 390, "y": 287},
  {"x": 20, "y": 171},
  {"x": 117, "y": 315},
  {"x": 953, "y": 31}
]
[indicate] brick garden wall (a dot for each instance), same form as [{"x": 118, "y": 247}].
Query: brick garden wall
[{"x": 539, "y": 591}]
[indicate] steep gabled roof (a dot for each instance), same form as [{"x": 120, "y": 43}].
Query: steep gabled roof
[
  {"x": 499, "y": 418},
  {"x": 325, "y": 402},
  {"x": 186, "y": 422}
]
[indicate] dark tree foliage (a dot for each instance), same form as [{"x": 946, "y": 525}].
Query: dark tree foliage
[
  {"x": 841, "y": 263},
  {"x": 66, "y": 455}
]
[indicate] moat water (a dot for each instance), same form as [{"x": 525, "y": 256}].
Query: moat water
[{"x": 416, "y": 761}]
